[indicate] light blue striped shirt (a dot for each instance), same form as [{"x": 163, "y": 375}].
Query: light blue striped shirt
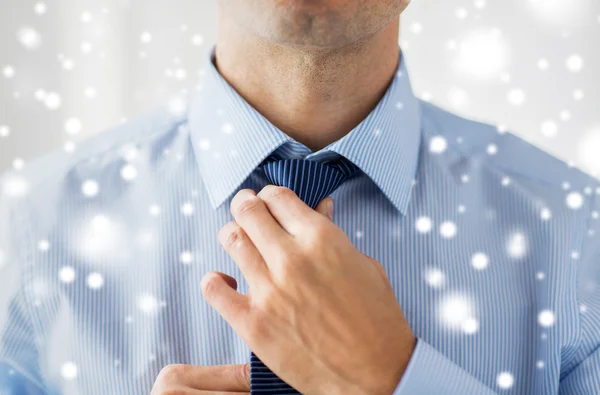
[{"x": 491, "y": 246}]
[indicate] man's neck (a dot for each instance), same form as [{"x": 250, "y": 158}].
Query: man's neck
[{"x": 315, "y": 96}]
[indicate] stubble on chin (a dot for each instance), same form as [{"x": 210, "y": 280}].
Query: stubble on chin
[{"x": 329, "y": 28}]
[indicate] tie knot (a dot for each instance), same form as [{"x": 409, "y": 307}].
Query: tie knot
[{"x": 312, "y": 181}]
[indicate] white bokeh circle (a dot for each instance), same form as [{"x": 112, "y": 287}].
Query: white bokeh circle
[{"x": 482, "y": 54}]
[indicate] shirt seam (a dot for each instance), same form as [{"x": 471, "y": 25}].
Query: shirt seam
[
  {"x": 137, "y": 135},
  {"x": 477, "y": 152},
  {"x": 577, "y": 275},
  {"x": 577, "y": 342},
  {"x": 26, "y": 240},
  {"x": 16, "y": 366}
]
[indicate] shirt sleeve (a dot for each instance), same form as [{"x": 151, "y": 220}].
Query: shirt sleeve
[
  {"x": 449, "y": 378},
  {"x": 19, "y": 366},
  {"x": 581, "y": 375}
]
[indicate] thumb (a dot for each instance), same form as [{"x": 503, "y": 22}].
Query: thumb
[
  {"x": 221, "y": 294},
  {"x": 325, "y": 207}
]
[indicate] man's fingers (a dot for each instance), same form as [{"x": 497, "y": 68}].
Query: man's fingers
[
  {"x": 245, "y": 254},
  {"x": 287, "y": 208},
  {"x": 224, "y": 378},
  {"x": 191, "y": 391},
  {"x": 229, "y": 303},
  {"x": 232, "y": 282},
  {"x": 251, "y": 213}
]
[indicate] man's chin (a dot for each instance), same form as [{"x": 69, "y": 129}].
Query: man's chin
[
  {"x": 311, "y": 42},
  {"x": 310, "y": 29},
  {"x": 312, "y": 6}
]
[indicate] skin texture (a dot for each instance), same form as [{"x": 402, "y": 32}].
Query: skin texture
[
  {"x": 312, "y": 295},
  {"x": 203, "y": 380},
  {"x": 313, "y": 24},
  {"x": 315, "y": 69}
]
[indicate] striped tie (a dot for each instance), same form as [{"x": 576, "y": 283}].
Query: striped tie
[{"x": 312, "y": 181}]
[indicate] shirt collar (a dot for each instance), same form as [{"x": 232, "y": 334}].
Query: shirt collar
[{"x": 230, "y": 138}]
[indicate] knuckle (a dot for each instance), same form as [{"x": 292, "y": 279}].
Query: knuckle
[
  {"x": 248, "y": 206},
  {"x": 172, "y": 374},
  {"x": 209, "y": 287},
  {"x": 381, "y": 270},
  {"x": 231, "y": 235},
  {"x": 241, "y": 374},
  {"x": 246, "y": 372},
  {"x": 274, "y": 192}
]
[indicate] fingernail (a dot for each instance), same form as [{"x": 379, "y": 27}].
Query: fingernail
[{"x": 330, "y": 208}]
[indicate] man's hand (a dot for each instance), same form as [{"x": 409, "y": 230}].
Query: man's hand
[
  {"x": 203, "y": 380},
  {"x": 319, "y": 313}
]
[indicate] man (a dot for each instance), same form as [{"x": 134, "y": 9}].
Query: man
[{"x": 196, "y": 253}]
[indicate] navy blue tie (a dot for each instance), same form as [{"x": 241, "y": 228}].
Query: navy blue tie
[{"x": 312, "y": 181}]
